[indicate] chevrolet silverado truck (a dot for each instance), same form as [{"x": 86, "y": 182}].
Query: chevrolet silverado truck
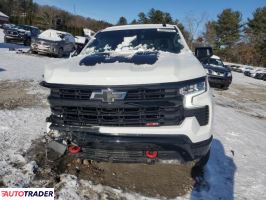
[
  {"x": 135, "y": 93},
  {"x": 219, "y": 76}
]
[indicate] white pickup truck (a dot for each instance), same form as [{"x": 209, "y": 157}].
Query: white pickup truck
[{"x": 136, "y": 93}]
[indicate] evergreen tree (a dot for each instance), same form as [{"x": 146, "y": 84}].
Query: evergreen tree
[
  {"x": 142, "y": 18},
  {"x": 122, "y": 21},
  {"x": 228, "y": 27},
  {"x": 257, "y": 28},
  {"x": 134, "y": 21}
]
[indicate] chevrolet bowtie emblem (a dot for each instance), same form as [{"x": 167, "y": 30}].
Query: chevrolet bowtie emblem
[{"x": 108, "y": 95}]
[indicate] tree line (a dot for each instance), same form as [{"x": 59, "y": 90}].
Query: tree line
[
  {"x": 45, "y": 17},
  {"x": 232, "y": 39}
]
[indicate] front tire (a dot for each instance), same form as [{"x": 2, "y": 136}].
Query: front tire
[{"x": 60, "y": 53}]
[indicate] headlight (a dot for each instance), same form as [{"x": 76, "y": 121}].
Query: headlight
[
  {"x": 196, "y": 88},
  {"x": 229, "y": 74}
]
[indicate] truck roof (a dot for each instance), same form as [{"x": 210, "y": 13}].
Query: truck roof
[{"x": 138, "y": 26}]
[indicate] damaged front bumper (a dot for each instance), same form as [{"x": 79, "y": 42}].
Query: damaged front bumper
[{"x": 130, "y": 149}]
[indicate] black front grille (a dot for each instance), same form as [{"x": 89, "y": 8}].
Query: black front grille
[
  {"x": 15, "y": 33},
  {"x": 132, "y": 94},
  {"x": 117, "y": 116},
  {"x": 143, "y": 105},
  {"x": 71, "y": 94}
]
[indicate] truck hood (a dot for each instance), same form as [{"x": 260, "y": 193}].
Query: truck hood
[{"x": 166, "y": 67}]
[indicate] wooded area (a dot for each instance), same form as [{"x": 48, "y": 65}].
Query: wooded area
[
  {"x": 44, "y": 17},
  {"x": 232, "y": 38}
]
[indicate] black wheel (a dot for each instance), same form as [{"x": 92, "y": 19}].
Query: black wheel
[
  {"x": 34, "y": 52},
  {"x": 60, "y": 53},
  {"x": 203, "y": 161}
]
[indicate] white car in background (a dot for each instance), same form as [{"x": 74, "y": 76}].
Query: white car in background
[
  {"x": 246, "y": 68},
  {"x": 253, "y": 73}
]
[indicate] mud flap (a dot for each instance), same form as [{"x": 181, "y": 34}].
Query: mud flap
[{"x": 57, "y": 147}]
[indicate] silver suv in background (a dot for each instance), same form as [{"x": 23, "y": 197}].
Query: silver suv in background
[{"x": 53, "y": 42}]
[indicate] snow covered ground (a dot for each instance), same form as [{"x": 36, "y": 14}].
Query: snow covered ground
[{"x": 236, "y": 169}]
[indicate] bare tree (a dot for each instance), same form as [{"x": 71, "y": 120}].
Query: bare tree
[{"x": 193, "y": 23}]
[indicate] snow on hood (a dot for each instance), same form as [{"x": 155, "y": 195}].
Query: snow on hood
[
  {"x": 169, "y": 67},
  {"x": 50, "y": 34},
  {"x": 138, "y": 58}
]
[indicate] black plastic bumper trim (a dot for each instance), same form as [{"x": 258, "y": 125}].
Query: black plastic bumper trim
[{"x": 110, "y": 148}]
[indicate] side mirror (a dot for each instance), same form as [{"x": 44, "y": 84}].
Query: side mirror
[{"x": 203, "y": 53}]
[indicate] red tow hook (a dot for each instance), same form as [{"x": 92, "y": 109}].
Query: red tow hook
[
  {"x": 74, "y": 149},
  {"x": 151, "y": 154}
]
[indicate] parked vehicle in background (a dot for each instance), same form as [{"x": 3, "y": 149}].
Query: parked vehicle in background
[
  {"x": 248, "y": 72},
  {"x": 246, "y": 68},
  {"x": 260, "y": 74},
  {"x": 235, "y": 68},
  {"x": 238, "y": 70},
  {"x": 53, "y": 42},
  {"x": 219, "y": 76},
  {"x": 135, "y": 93},
  {"x": 20, "y": 34},
  {"x": 263, "y": 77},
  {"x": 254, "y": 73},
  {"x": 6, "y": 26}
]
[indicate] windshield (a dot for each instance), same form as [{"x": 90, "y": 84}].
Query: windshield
[{"x": 136, "y": 40}]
